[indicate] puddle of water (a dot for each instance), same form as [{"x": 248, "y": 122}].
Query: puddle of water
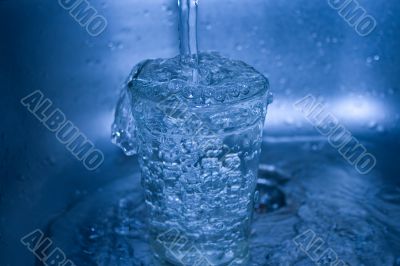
[{"x": 356, "y": 216}]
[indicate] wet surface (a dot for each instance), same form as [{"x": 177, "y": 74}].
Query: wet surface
[
  {"x": 301, "y": 187},
  {"x": 301, "y": 46}
]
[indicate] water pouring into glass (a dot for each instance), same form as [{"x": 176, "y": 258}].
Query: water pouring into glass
[{"x": 196, "y": 122}]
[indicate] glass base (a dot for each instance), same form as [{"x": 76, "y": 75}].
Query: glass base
[{"x": 109, "y": 228}]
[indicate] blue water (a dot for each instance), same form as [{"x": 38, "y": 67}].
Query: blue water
[
  {"x": 198, "y": 144},
  {"x": 303, "y": 186}
]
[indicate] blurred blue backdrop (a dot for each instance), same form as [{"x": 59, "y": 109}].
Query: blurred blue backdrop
[{"x": 302, "y": 46}]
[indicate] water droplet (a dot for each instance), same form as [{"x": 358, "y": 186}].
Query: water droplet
[
  {"x": 111, "y": 46},
  {"x": 115, "y": 45},
  {"x": 282, "y": 81},
  {"x": 314, "y": 147},
  {"x": 328, "y": 39},
  {"x": 372, "y": 124},
  {"x": 256, "y": 196}
]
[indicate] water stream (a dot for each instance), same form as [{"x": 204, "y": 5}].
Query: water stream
[{"x": 188, "y": 35}]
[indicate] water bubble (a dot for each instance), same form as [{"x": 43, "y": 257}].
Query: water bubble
[
  {"x": 231, "y": 161},
  {"x": 111, "y": 46},
  {"x": 235, "y": 91},
  {"x": 220, "y": 95},
  {"x": 189, "y": 145},
  {"x": 175, "y": 86},
  {"x": 270, "y": 98},
  {"x": 210, "y": 163},
  {"x": 115, "y": 45},
  {"x": 245, "y": 89},
  {"x": 189, "y": 92},
  {"x": 167, "y": 9},
  {"x": 168, "y": 155},
  {"x": 239, "y": 47}
]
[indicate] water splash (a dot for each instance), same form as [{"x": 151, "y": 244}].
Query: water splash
[{"x": 357, "y": 216}]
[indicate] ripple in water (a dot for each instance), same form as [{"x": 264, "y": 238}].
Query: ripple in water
[{"x": 356, "y": 216}]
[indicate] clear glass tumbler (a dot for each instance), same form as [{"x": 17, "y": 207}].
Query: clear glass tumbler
[{"x": 199, "y": 163}]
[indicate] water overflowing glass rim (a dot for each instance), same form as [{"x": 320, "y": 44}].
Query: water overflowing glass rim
[{"x": 214, "y": 81}]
